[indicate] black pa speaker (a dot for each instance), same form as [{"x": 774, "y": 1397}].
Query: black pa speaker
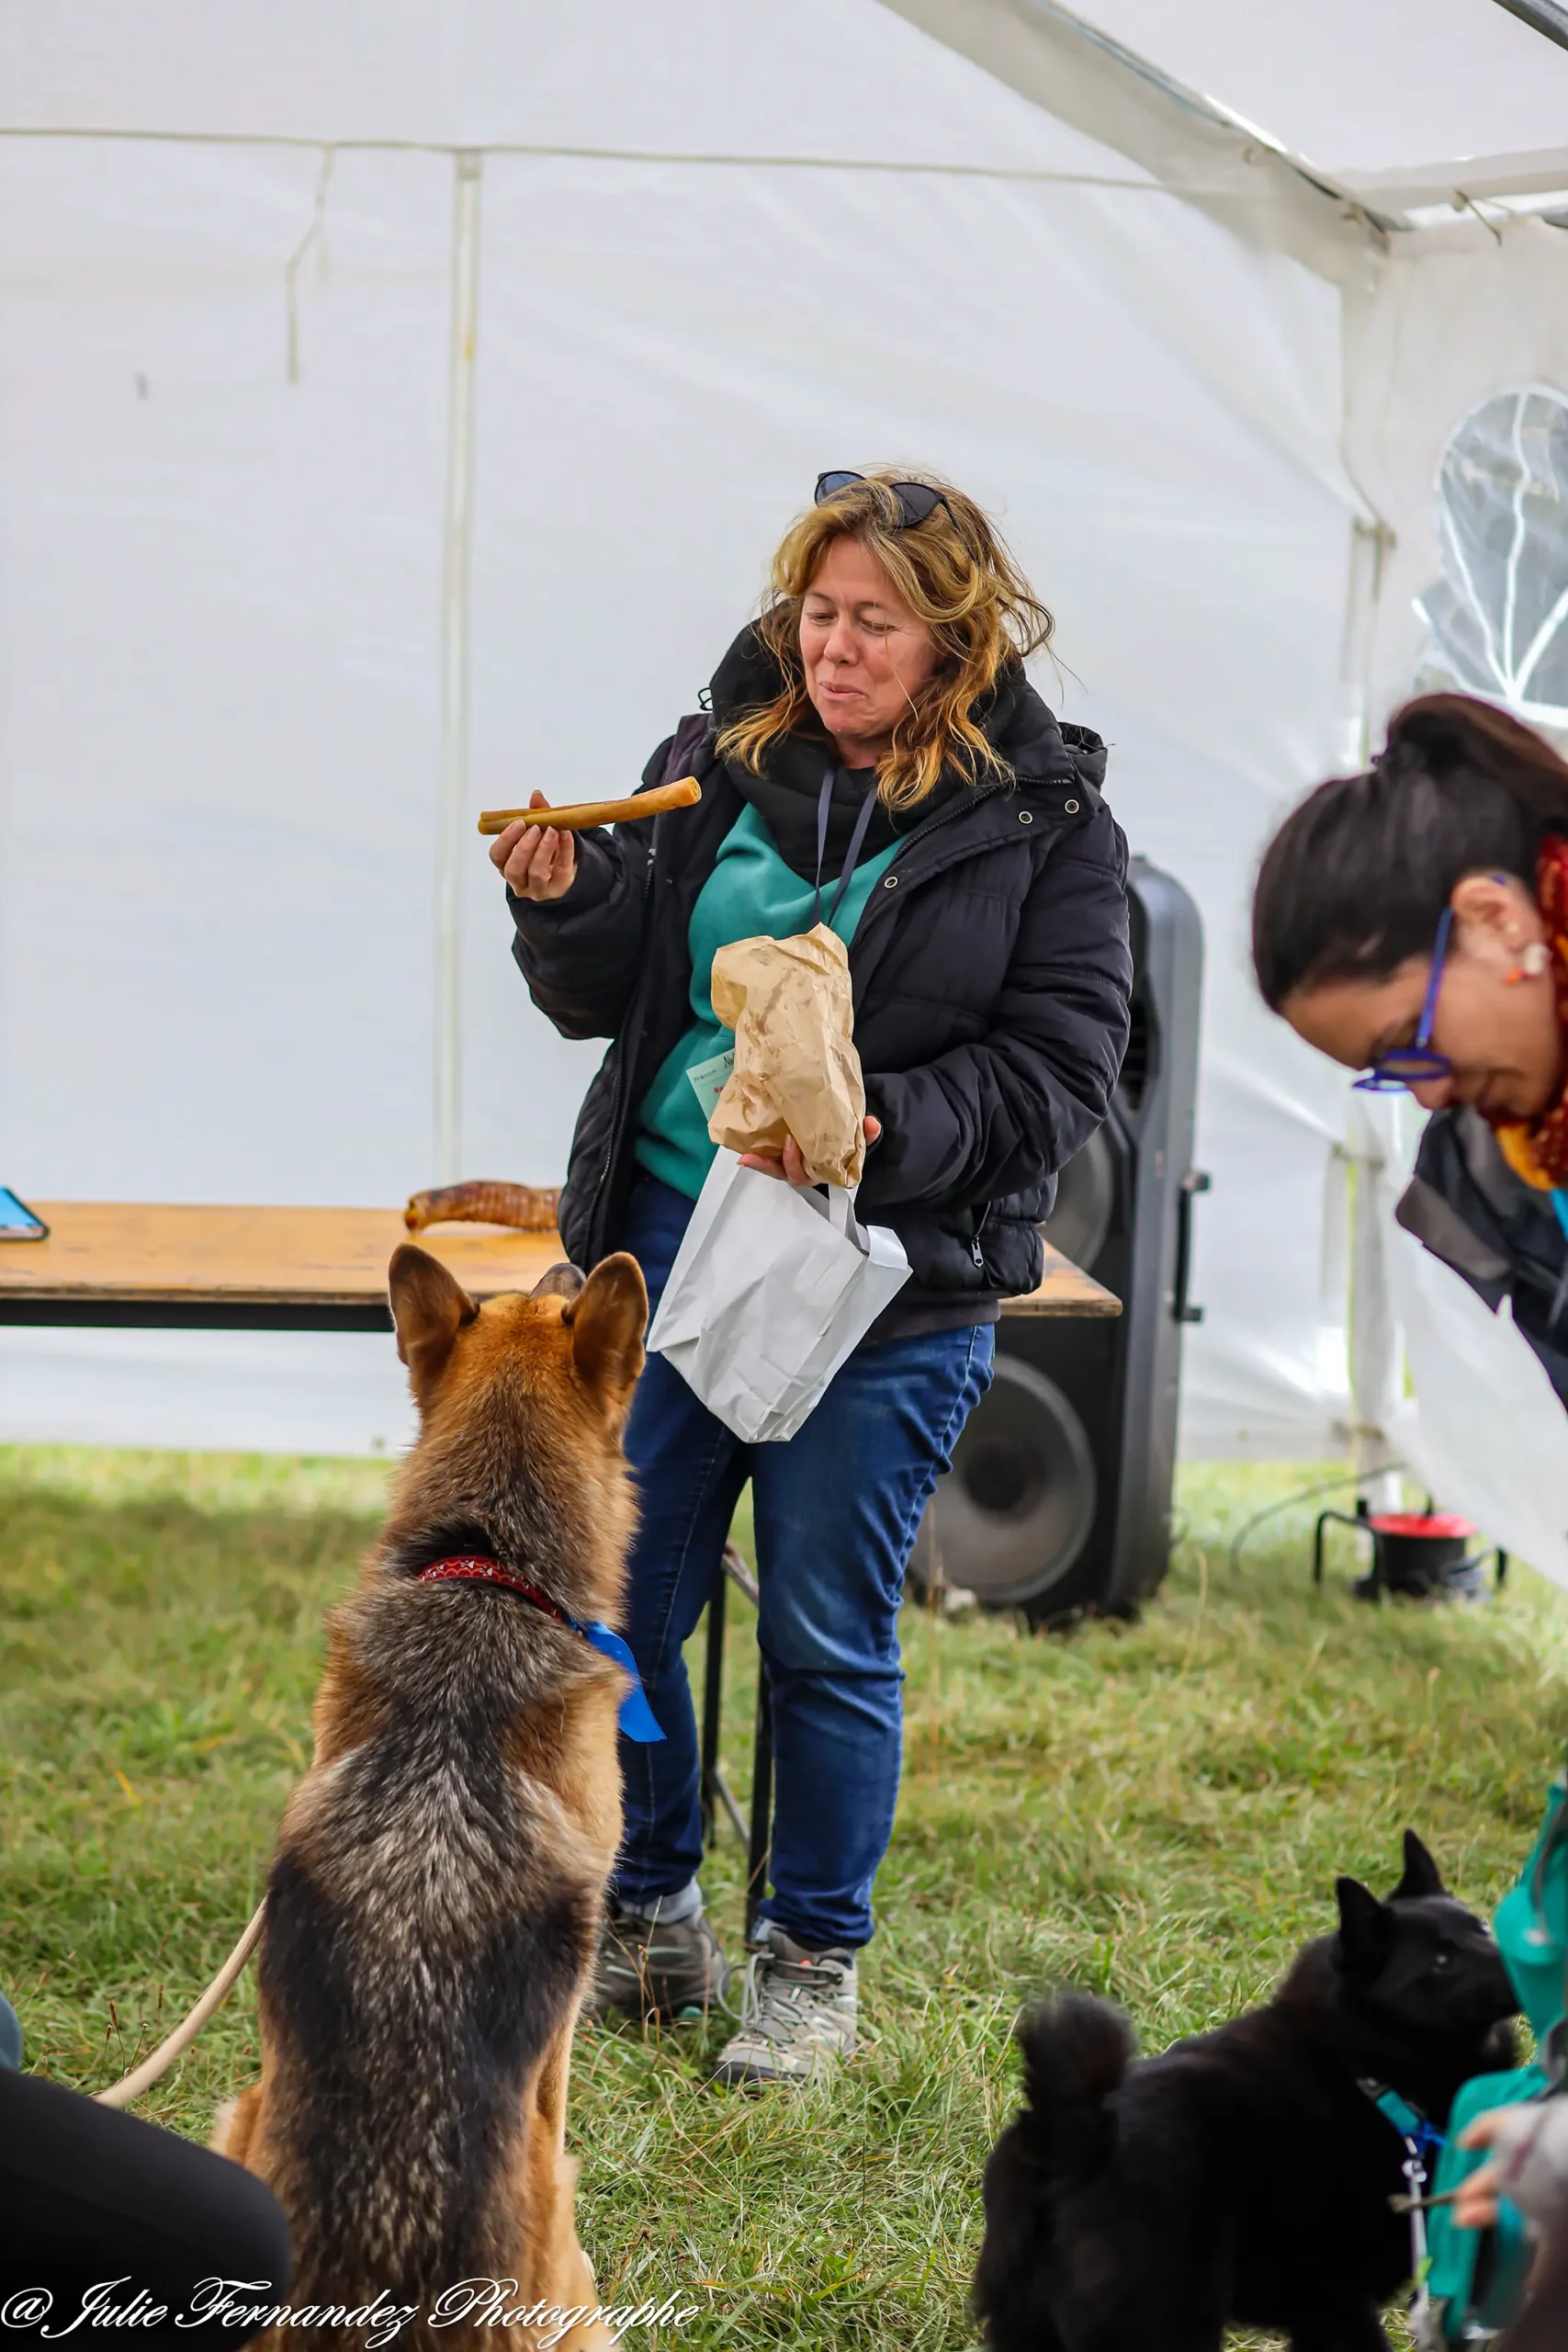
[{"x": 1059, "y": 1497}]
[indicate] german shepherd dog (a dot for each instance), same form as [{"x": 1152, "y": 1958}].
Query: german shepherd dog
[
  {"x": 434, "y": 1908},
  {"x": 1243, "y": 2178}
]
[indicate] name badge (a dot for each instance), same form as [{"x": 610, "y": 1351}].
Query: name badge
[{"x": 709, "y": 1079}]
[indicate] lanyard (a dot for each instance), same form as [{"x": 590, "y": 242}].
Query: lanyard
[
  {"x": 1559, "y": 1300},
  {"x": 1422, "y": 2139},
  {"x": 857, "y": 842}
]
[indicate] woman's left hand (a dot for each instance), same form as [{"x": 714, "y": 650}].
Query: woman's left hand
[
  {"x": 1476, "y": 2207},
  {"x": 1477, "y": 2200},
  {"x": 790, "y": 1167}
]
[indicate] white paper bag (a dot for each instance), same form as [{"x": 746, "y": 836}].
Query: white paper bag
[{"x": 772, "y": 1288}]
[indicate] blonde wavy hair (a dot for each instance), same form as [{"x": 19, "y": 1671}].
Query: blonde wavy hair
[{"x": 955, "y": 574}]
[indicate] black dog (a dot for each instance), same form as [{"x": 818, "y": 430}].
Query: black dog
[{"x": 1244, "y": 2178}]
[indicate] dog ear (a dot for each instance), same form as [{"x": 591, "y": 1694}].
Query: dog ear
[
  {"x": 607, "y": 1319},
  {"x": 1363, "y": 1926},
  {"x": 1422, "y": 1875},
  {"x": 429, "y": 1308}
]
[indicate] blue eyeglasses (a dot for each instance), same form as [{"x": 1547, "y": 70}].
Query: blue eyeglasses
[{"x": 1416, "y": 1064}]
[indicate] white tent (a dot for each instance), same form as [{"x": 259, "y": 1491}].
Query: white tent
[{"x": 398, "y": 405}]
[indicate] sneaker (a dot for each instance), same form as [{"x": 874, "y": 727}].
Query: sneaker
[
  {"x": 797, "y": 2013},
  {"x": 657, "y": 1968}
]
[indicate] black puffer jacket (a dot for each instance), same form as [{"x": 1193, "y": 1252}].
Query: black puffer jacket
[
  {"x": 1467, "y": 1205},
  {"x": 992, "y": 976}
]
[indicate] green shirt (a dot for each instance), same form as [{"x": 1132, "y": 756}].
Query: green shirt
[{"x": 751, "y": 894}]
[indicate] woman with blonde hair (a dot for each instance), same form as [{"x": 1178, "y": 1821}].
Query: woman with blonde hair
[{"x": 876, "y": 759}]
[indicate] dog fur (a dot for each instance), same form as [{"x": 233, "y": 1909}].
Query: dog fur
[
  {"x": 434, "y": 1908},
  {"x": 1243, "y": 2178}
]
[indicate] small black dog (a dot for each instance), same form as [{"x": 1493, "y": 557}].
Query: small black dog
[{"x": 1243, "y": 2178}]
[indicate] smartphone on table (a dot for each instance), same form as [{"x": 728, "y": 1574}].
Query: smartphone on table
[{"x": 17, "y": 1221}]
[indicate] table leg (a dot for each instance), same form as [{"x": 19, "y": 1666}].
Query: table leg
[
  {"x": 761, "y": 1844},
  {"x": 713, "y": 1701},
  {"x": 757, "y": 1834}
]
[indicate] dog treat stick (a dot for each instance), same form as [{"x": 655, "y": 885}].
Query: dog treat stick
[
  {"x": 1425, "y": 2204},
  {"x": 527, "y": 1209},
  {"x": 575, "y": 816}
]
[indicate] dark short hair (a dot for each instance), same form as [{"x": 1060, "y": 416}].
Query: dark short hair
[{"x": 1355, "y": 881}]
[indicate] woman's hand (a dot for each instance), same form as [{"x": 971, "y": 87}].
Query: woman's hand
[
  {"x": 1476, "y": 2203},
  {"x": 790, "y": 1167},
  {"x": 538, "y": 861},
  {"x": 1475, "y": 2206}
]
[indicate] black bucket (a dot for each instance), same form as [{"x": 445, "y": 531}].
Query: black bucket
[{"x": 1425, "y": 1555}]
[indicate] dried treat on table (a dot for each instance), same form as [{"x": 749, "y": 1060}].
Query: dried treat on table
[{"x": 527, "y": 1209}]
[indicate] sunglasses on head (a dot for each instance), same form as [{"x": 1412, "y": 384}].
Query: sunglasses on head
[{"x": 917, "y": 500}]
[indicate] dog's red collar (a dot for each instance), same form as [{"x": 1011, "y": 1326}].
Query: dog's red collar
[
  {"x": 469, "y": 1569},
  {"x": 637, "y": 1717}
]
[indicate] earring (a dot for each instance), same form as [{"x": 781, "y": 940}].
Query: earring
[{"x": 1533, "y": 961}]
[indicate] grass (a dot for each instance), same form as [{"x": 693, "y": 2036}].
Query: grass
[{"x": 1156, "y": 1811}]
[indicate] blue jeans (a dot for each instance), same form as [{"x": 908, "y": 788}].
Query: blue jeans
[{"x": 836, "y": 1509}]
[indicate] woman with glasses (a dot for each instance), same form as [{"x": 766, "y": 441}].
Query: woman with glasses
[
  {"x": 875, "y": 758},
  {"x": 1413, "y": 924}
]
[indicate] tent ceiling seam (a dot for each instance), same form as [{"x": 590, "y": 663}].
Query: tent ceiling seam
[{"x": 598, "y": 155}]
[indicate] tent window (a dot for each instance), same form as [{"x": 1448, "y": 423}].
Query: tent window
[{"x": 1498, "y": 619}]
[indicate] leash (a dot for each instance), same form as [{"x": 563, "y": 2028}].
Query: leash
[
  {"x": 1422, "y": 2139},
  {"x": 141, "y": 2078},
  {"x": 636, "y": 1718}
]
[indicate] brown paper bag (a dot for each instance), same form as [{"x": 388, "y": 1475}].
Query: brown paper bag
[{"x": 797, "y": 1071}]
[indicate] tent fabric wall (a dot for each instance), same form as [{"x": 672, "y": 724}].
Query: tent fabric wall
[
  {"x": 819, "y": 80},
  {"x": 220, "y": 592},
  {"x": 222, "y": 770},
  {"x": 1444, "y": 331}
]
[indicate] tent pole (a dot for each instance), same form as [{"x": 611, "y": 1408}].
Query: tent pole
[
  {"x": 1543, "y": 17},
  {"x": 1377, "y": 1344},
  {"x": 452, "y": 842}
]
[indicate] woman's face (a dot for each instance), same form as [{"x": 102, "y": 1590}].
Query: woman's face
[
  {"x": 1500, "y": 1032},
  {"x": 865, "y": 653}
]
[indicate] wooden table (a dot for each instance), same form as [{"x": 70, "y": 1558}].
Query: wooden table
[{"x": 119, "y": 1263}]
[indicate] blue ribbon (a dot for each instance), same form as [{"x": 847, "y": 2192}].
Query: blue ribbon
[
  {"x": 1416, "y": 2130},
  {"x": 636, "y": 1718}
]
